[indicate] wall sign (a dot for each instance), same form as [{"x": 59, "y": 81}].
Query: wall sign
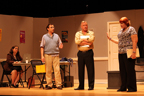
[
  {"x": 22, "y": 36},
  {"x": 65, "y": 36}
]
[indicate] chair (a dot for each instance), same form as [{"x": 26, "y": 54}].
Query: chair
[
  {"x": 34, "y": 63},
  {"x": 5, "y": 73},
  {"x": 9, "y": 73}
]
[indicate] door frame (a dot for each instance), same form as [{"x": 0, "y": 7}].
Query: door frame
[{"x": 108, "y": 30}]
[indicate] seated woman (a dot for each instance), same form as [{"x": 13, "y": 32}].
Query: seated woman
[{"x": 14, "y": 57}]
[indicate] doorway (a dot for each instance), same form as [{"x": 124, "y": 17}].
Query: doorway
[{"x": 113, "y": 30}]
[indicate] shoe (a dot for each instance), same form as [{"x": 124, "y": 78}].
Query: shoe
[
  {"x": 131, "y": 91},
  {"x": 48, "y": 87},
  {"x": 120, "y": 90},
  {"x": 90, "y": 88},
  {"x": 15, "y": 86},
  {"x": 79, "y": 88},
  {"x": 59, "y": 87}
]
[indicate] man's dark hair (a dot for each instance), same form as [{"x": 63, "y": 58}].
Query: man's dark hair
[{"x": 48, "y": 26}]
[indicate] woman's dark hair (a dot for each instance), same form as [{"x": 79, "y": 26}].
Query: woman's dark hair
[
  {"x": 11, "y": 50},
  {"x": 48, "y": 26}
]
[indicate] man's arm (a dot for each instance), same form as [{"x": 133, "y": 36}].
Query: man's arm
[
  {"x": 61, "y": 46},
  {"x": 42, "y": 49},
  {"x": 60, "y": 43},
  {"x": 77, "y": 38},
  {"x": 92, "y": 37},
  {"x": 42, "y": 54},
  {"x": 85, "y": 42}
]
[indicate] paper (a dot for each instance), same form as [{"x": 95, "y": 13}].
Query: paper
[
  {"x": 130, "y": 51},
  {"x": 40, "y": 68},
  {"x": 84, "y": 37}
]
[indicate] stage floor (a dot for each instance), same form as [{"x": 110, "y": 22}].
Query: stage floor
[{"x": 99, "y": 90}]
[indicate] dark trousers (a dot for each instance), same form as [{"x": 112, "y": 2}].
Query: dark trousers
[
  {"x": 86, "y": 58},
  {"x": 127, "y": 72}
]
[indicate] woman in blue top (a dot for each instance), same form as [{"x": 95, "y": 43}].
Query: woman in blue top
[{"x": 127, "y": 39}]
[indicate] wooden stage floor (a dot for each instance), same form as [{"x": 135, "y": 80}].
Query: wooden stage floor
[{"x": 99, "y": 90}]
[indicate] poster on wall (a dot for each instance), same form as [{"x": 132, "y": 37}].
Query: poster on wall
[
  {"x": 0, "y": 35},
  {"x": 65, "y": 36},
  {"x": 22, "y": 36}
]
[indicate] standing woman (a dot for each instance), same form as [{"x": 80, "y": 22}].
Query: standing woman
[
  {"x": 127, "y": 39},
  {"x": 14, "y": 57}
]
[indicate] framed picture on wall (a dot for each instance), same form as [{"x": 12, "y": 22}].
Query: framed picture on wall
[{"x": 65, "y": 36}]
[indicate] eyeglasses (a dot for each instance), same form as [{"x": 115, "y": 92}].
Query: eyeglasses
[{"x": 16, "y": 48}]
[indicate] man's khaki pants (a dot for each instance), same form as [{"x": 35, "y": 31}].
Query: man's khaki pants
[{"x": 49, "y": 62}]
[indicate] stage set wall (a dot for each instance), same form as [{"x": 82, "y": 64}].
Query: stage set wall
[{"x": 36, "y": 27}]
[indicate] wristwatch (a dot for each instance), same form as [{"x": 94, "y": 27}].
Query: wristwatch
[{"x": 134, "y": 52}]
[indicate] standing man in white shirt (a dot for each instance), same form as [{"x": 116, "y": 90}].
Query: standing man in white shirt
[
  {"x": 49, "y": 46},
  {"x": 84, "y": 40}
]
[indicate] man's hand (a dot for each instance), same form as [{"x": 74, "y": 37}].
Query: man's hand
[
  {"x": 84, "y": 40},
  {"x": 42, "y": 59},
  {"x": 61, "y": 46}
]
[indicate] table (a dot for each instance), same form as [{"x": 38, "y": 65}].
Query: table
[
  {"x": 1, "y": 60},
  {"x": 29, "y": 64},
  {"x": 23, "y": 64}
]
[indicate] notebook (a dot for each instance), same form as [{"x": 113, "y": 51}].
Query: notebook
[{"x": 130, "y": 51}]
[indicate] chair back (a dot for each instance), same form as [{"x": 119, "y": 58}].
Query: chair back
[
  {"x": 3, "y": 63},
  {"x": 4, "y": 71},
  {"x": 36, "y": 62}
]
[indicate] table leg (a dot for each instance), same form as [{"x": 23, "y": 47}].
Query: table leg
[
  {"x": 64, "y": 73},
  {"x": 25, "y": 73},
  {"x": 69, "y": 72}
]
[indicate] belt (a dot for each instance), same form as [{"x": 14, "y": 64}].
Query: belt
[
  {"x": 122, "y": 53},
  {"x": 86, "y": 51}
]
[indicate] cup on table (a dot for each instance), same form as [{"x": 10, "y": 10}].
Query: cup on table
[{"x": 26, "y": 61}]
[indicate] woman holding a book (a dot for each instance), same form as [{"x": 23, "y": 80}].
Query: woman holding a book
[{"x": 127, "y": 39}]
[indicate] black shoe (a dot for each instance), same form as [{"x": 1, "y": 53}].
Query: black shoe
[
  {"x": 59, "y": 87},
  {"x": 15, "y": 86},
  {"x": 131, "y": 91},
  {"x": 79, "y": 88},
  {"x": 121, "y": 90},
  {"x": 48, "y": 87},
  {"x": 90, "y": 88}
]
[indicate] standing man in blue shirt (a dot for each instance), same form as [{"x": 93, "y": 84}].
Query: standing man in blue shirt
[{"x": 49, "y": 46}]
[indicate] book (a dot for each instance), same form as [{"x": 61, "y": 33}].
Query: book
[{"x": 130, "y": 51}]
